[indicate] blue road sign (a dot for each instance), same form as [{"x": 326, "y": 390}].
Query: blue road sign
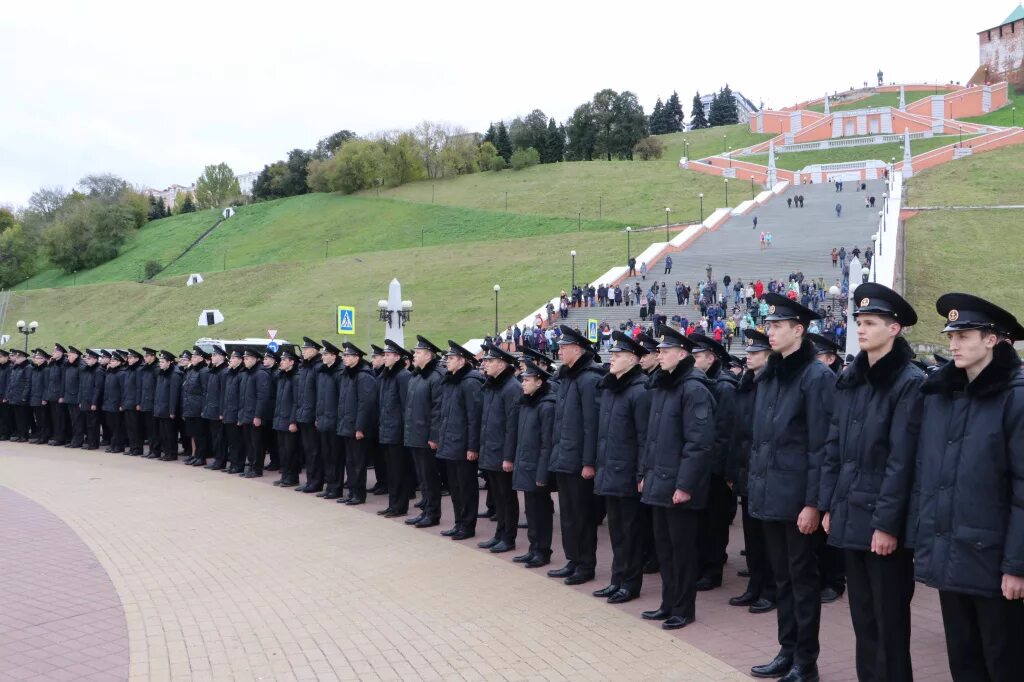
[{"x": 272, "y": 346}]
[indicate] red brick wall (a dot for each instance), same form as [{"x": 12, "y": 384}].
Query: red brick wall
[{"x": 1001, "y": 52}]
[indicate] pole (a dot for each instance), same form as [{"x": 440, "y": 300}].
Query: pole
[
  {"x": 327, "y": 243},
  {"x": 421, "y": 236},
  {"x": 599, "y": 201},
  {"x": 496, "y": 315},
  {"x": 579, "y": 221},
  {"x": 224, "y": 261},
  {"x": 702, "y": 207},
  {"x": 628, "y": 251},
  {"x": 751, "y": 186},
  {"x": 431, "y": 194},
  {"x": 572, "y": 287},
  {"x": 506, "y": 202},
  {"x": 727, "y": 191},
  {"x": 666, "y": 224}
]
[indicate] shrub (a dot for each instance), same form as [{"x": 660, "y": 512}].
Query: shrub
[
  {"x": 152, "y": 269},
  {"x": 524, "y": 158},
  {"x": 649, "y": 148}
]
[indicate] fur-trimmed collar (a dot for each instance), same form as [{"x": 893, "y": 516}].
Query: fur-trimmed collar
[
  {"x": 789, "y": 367},
  {"x": 616, "y": 384},
  {"x": 456, "y": 377},
  {"x": 324, "y": 367},
  {"x": 499, "y": 381},
  {"x": 393, "y": 369},
  {"x": 682, "y": 371},
  {"x": 884, "y": 372},
  {"x": 426, "y": 369},
  {"x": 1000, "y": 374},
  {"x": 746, "y": 382},
  {"x": 586, "y": 362},
  {"x": 361, "y": 366}
]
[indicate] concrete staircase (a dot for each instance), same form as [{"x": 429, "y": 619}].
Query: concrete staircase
[{"x": 802, "y": 240}]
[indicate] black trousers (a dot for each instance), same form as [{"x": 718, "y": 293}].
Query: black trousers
[
  {"x": 357, "y": 457},
  {"x": 270, "y": 442},
  {"x": 626, "y": 521},
  {"x": 311, "y": 450},
  {"x": 215, "y": 429},
  {"x": 200, "y": 435},
  {"x": 255, "y": 451},
  {"x": 76, "y": 425},
  {"x": 830, "y": 563},
  {"x": 713, "y": 532},
  {"x": 168, "y": 437},
  {"x": 675, "y": 536},
  {"x": 576, "y": 516},
  {"x": 287, "y": 452},
  {"x": 380, "y": 465},
  {"x": 234, "y": 452},
  {"x": 984, "y": 637},
  {"x": 152, "y": 433},
  {"x": 6, "y": 421},
  {"x": 184, "y": 437},
  {"x": 401, "y": 480},
  {"x": 506, "y": 505},
  {"x": 797, "y": 589},
  {"x": 880, "y": 590},
  {"x": 465, "y": 492},
  {"x": 540, "y": 518},
  {"x": 762, "y": 577},
  {"x": 58, "y": 422},
  {"x": 22, "y": 417},
  {"x": 42, "y": 432},
  {"x": 332, "y": 453},
  {"x": 430, "y": 481},
  {"x": 115, "y": 425},
  {"x": 92, "y": 427},
  {"x": 133, "y": 430}
]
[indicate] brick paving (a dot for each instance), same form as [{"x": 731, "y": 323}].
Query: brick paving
[{"x": 223, "y": 578}]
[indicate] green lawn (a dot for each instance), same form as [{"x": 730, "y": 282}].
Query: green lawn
[
  {"x": 450, "y": 286},
  {"x": 992, "y": 178},
  {"x": 882, "y": 99},
  {"x": 976, "y": 252},
  {"x": 628, "y": 192},
  {"x": 1006, "y": 116},
  {"x": 799, "y": 160}
]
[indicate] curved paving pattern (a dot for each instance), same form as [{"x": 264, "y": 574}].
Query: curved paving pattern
[{"x": 60, "y": 617}]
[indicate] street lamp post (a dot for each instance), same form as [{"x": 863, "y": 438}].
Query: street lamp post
[
  {"x": 723, "y": 144},
  {"x": 667, "y": 211},
  {"x": 497, "y": 289},
  {"x": 833, "y": 293},
  {"x": 727, "y": 192},
  {"x": 701, "y": 195},
  {"x": 751, "y": 187},
  {"x": 961, "y": 130},
  {"x": 573, "y": 254},
  {"x": 1013, "y": 116},
  {"x": 686, "y": 149},
  {"x": 730, "y": 157},
  {"x": 628, "y": 250},
  {"x": 27, "y": 329},
  {"x": 327, "y": 243},
  {"x": 579, "y": 221}
]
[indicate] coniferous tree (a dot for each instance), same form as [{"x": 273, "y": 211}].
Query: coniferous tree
[
  {"x": 657, "y": 120},
  {"x": 553, "y": 148},
  {"x": 673, "y": 114},
  {"x": 503, "y": 143},
  {"x": 188, "y": 206},
  {"x": 730, "y": 113},
  {"x": 491, "y": 135},
  {"x": 697, "y": 118}
]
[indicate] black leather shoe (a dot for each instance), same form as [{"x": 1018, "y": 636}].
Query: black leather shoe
[
  {"x": 331, "y": 496},
  {"x": 344, "y": 499},
  {"x": 379, "y": 490},
  {"x": 419, "y": 505},
  {"x": 380, "y": 512},
  {"x": 762, "y": 605},
  {"x": 708, "y": 583},
  {"x": 451, "y": 531},
  {"x": 537, "y": 561},
  {"x": 621, "y": 596},
  {"x": 394, "y": 513},
  {"x": 303, "y": 489},
  {"x": 563, "y": 572},
  {"x": 235, "y": 470},
  {"x": 523, "y": 558},
  {"x": 676, "y": 622},
  {"x": 483, "y": 514},
  {"x": 413, "y": 520},
  {"x": 215, "y": 465},
  {"x": 743, "y": 573},
  {"x": 464, "y": 534},
  {"x": 252, "y": 474},
  {"x": 355, "y": 502},
  {"x": 779, "y": 666},
  {"x": 657, "y": 614},
  {"x": 579, "y": 577},
  {"x": 802, "y": 673},
  {"x": 829, "y": 595},
  {"x": 429, "y": 523},
  {"x": 745, "y": 599},
  {"x": 272, "y": 467},
  {"x": 606, "y": 592},
  {"x": 522, "y": 524},
  {"x": 487, "y": 544},
  {"x": 503, "y": 547},
  {"x": 324, "y": 493},
  {"x": 199, "y": 463}
]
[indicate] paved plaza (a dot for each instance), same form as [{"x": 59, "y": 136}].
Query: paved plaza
[{"x": 115, "y": 568}]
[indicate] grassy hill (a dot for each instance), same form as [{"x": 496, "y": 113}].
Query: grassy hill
[
  {"x": 629, "y": 192},
  {"x": 882, "y": 152},
  {"x": 1004, "y": 116},
  {"x": 992, "y": 178}
]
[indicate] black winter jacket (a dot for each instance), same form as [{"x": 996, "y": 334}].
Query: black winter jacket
[
  {"x": 131, "y": 393},
  {"x": 5, "y": 371},
  {"x": 423, "y": 407},
  {"x": 259, "y": 396},
  {"x": 723, "y": 389},
  {"x": 18, "y": 385},
  {"x": 460, "y": 415},
  {"x": 113, "y": 387},
  {"x": 357, "y": 401},
  {"x": 968, "y": 508},
  {"x": 284, "y": 405},
  {"x": 193, "y": 386},
  {"x": 231, "y": 396},
  {"x": 72, "y": 382},
  {"x": 214, "y": 392},
  {"x": 90, "y": 387},
  {"x": 327, "y": 396},
  {"x": 305, "y": 390},
  {"x": 868, "y": 472},
  {"x": 622, "y": 433},
  {"x": 147, "y": 378},
  {"x": 680, "y": 436},
  {"x": 38, "y": 384},
  {"x": 737, "y": 460},
  {"x": 576, "y": 412},
  {"x": 792, "y": 413},
  {"x": 167, "y": 392},
  {"x": 393, "y": 393},
  {"x": 54, "y": 389},
  {"x": 499, "y": 419},
  {"x": 534, "y": 438}
]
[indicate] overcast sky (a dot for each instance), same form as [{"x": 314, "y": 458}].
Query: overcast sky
[{"x": 154, "y": 92}]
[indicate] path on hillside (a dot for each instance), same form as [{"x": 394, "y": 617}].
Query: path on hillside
[
  {"x": 197, "y": 242},
  {"x": 802, "y": 241}
]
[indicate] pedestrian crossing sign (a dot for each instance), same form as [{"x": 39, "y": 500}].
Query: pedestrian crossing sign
[
  {"x": 346, "y": 319},
  {"x": 592, "y": 330}
]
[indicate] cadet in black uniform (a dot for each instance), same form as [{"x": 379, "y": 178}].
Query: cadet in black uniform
[
  {"x": 131, "y": 396},
  {"x": 357, "y": 419},
  {"x": 534, "y": 438},
  {"x": 54, "y": 396},
  {"x": 18, "y": 388},
  {"x": 308, "y": 441},
  {"x": 166, "y": 401},
  {"x": 792, "y": 412},
  {"x": 393, "y": 393},
  {"x": 38, "y": 377},
  {"x": 422, "y": 426},
  {"x": 213, "y": 408},
  {"x": 967, "y": 515},
  {"x": 867, "y": 478},
  {"x": 113, "y": 385},
  {"x": 70, "y": 398},
  {"x": 458, "y": 445},
  {"x": 286, "y": 428},
  {"x": 6, "y": 423},
  {"x": 332, "y": 447},
  {"x": 499, "y": 425},
  {"x": 90, "y": 398},
  {"x": 231, "y": 403}
]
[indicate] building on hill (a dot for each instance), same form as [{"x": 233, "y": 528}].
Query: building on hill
[
  {"x": 246, "y": 181},
  {"x": 170, "y": 194},
  {"x": 744, "y": 107},
  {"x": 1001, "y": 52}
]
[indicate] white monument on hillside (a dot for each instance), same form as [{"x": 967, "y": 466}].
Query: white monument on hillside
[{"x": 394, "y": 313}]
